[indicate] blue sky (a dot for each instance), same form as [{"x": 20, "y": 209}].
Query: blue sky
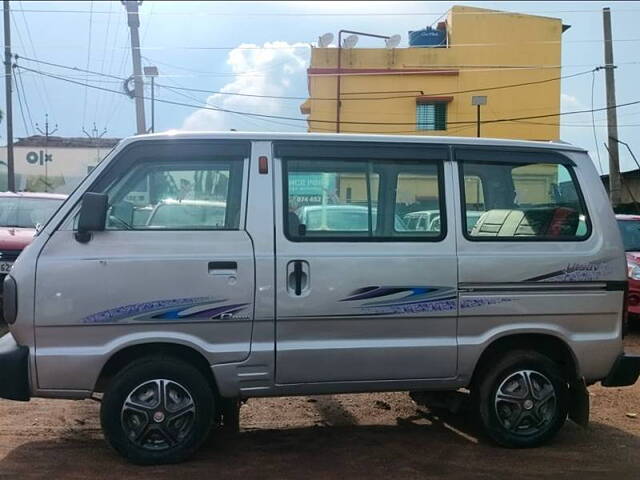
[{"x": 195, "y": 45}]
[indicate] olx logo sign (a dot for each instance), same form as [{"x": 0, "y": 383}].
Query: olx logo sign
[{"x": 39, "y": 157}]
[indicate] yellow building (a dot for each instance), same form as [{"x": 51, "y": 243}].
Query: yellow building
[{"x": 428, "y": 91}]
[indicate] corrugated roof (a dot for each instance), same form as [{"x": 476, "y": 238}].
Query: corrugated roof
[{"x": 66, "y": 142}]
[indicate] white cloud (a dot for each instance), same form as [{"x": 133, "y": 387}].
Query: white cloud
[
  {"x": 569, "y": 103},
  {"x": 276, "y": 70}
]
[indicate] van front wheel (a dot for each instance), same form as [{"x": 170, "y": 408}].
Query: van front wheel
[
  {"x": 157, "y": 410},
  {"x": 522, "y": 401}
]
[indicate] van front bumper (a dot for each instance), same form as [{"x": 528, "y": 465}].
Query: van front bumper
[
  {"x": 624, "y": 372},
  {"x": 14, "y": 370}
]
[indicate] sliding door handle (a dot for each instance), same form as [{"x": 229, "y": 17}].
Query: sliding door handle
[
  {"x": 297, "y": 278},
  {"x": 297, "y": 273}
]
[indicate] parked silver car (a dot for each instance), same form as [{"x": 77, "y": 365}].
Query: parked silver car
[{"x": 277, "y": 289}]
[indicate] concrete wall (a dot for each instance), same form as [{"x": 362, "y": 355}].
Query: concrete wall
[
  {"x": 477, "y": 38},
  {"x": 53, "y": 169}
]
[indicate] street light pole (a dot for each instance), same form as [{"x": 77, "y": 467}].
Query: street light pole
[
  {"x": 339, "y": 71},
  {"x": 478, "y": 100},
  {"x": 152, "y": 72}
]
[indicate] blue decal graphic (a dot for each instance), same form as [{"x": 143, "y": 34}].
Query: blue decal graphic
[
  {"x": 194, "y": 307},
  {"x": 415, "y": 300},
  {"x": 404, "y": 299}
]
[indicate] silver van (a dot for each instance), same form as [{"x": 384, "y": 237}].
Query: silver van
[{"x": 182, "y": 278}]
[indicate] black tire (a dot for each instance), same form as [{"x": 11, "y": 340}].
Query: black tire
[
  {"x": 511, "y": 422},
  {"x": 159, "y": 392}
]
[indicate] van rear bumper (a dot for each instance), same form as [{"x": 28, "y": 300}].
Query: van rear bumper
[
  {"x": 624, "y": 372},
  {"x": 14, "y": 370}
]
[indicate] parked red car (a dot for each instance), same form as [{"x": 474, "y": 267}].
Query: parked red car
[
  {"x": 630, "y": 230},
  {"x": 20, "y": 213}
]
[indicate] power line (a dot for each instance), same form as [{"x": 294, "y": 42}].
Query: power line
[
  {"x": 500, "y": 87},
  {"x": 309, "y": 46},
  {"x": 84, "y": 108},
  {"x": 24, "y": 94},
  {"x": 123, "y": 63},
  {"x": 24, "y": 120},
  {"x": 176, "y": 91},
  {"x": 472, "y": 68},
  {"x": 450, "y": 46},
  {"x": 104, "y": 55},
  {"x": 39, "y": 85},
  {"x": 146, "y": 27},
  {"x": 280, "y": 117},
  {"x": 279, "y": 97},
  {"x": 208, "y": 73},
  {"x": 330, "y": 14},
  {"x": 593, "y": 121}
]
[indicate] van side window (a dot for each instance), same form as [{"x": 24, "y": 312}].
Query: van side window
[
  {"x": 523, "y": 201},
  {"x": 177, "y": 196},
  {"x": 351, "y": 199}
]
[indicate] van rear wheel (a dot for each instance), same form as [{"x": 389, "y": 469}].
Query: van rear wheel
[
  {"x": 522, "y": 401},
  {"x": 157, "y": 410}
]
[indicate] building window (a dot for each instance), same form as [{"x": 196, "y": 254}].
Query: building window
[{"x": 431, "y": 116}]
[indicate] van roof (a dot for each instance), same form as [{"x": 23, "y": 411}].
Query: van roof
[{"x": 352, "y": 137}]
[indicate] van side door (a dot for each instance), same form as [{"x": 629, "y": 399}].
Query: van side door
[
  {"x": 174, "y": 263},
  {"x": 361, "y": 297},
  {"x": 533, "y": 255}
]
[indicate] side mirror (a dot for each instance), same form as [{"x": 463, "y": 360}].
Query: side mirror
[{"x": 93, "y": 215}]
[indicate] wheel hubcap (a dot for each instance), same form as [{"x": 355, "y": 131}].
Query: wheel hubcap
[
  {"x": 525, "y": 402},
  {"x": 158, "y": 414}
]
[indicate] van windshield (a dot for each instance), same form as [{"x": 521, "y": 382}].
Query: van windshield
[{"x": 20, "y": 212}]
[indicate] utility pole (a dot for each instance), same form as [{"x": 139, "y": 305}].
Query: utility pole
[
  {"x": 46, "y": 134},
  {"x": 96, "y": 139},
  {"x": 615, "y": 186},
  {"x": 138, "y": 82},
  {"x": 11, "y": 177}
]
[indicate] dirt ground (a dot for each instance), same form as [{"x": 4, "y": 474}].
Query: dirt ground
[{"x": 343, "y": 436}]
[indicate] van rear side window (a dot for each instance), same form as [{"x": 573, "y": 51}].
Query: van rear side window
[
  {"x": 522, "y": 201},
  {"x": 392, "y": 200}
]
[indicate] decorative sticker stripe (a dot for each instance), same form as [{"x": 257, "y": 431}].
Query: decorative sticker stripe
[
  {"x": 413, "y": 307},
  {"x": 482, "y": 302},
  {"x": 416, "y": 300},
  {"x": 194, "y": 307},
  {"x": 576, "y": 272}
]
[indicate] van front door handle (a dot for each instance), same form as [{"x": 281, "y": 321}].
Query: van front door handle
[{"x": 223, "y": 268}]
